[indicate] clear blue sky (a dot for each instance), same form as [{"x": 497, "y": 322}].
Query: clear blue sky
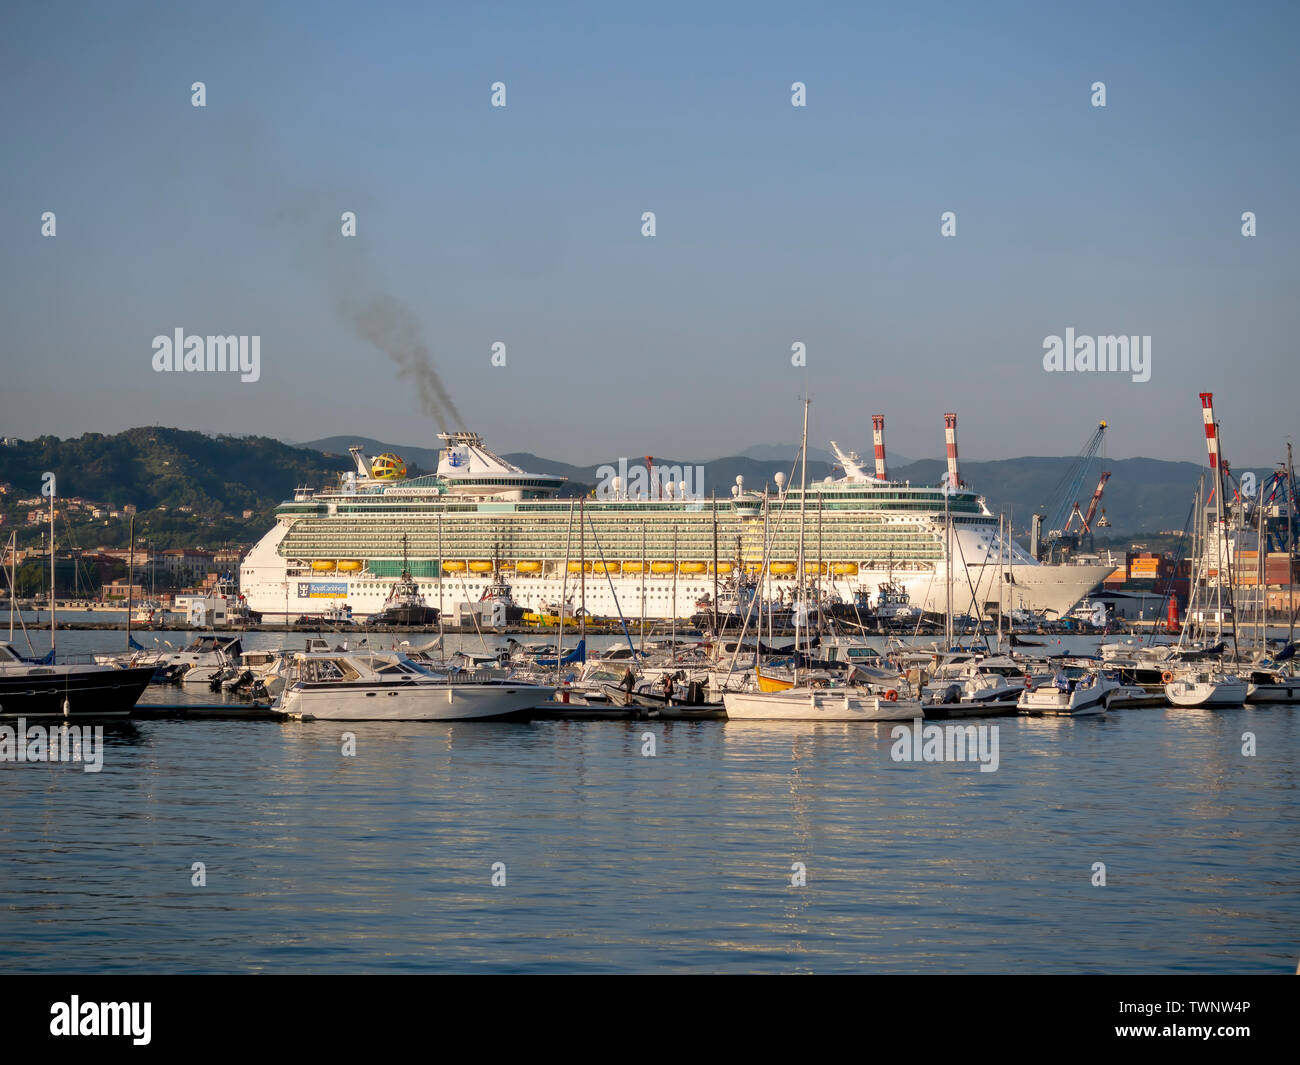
[{"x": 775, "y": 224}]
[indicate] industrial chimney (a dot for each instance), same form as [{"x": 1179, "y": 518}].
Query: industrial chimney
[{"x": 878, "y": 432}]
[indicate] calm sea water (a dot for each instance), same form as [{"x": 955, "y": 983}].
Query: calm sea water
[{"x": 617, "y": 862}]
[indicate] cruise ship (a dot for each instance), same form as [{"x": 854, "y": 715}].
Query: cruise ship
[{"x": 655, "y": 550}]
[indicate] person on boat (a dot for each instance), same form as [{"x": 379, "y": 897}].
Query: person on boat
[
  {"x": 668, "y": 686},
  {"x": 629, "y": 680}
]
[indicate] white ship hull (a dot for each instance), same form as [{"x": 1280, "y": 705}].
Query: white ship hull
[
  {"x": 644, "y": 552},
  {"x": 275, "y": 594}
]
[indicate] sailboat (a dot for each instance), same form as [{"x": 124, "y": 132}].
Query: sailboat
[
  {"x": 779, "y": 700},
  {"x": 1198, "y": 686},
  {"x": 46, "y": 687}
]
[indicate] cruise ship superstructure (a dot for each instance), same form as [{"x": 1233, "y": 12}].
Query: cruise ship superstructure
[{"x": 480, "y": 518}]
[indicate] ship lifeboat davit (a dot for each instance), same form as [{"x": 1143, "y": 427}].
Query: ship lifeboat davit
[
  {"x": 388, "y": 467},
  {"x": 783, "y": 568},
  {"x": 349, "y": 565},
  {"x": 480, "y": 567},
  {"x": 323, "y": 565},
  {"x": 662, "y": 567},
  {"x": 529, "y": 567},
  {"x": 845, "y": 569},
  {"x": 694, "y": 567},
  {"x": 454, "y": 567}
]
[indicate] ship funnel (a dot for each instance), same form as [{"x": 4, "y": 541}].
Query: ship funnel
[
  {"x": 878, "y": 434},
  {"x": 950, "y": 434},
  {"x": 1211, "y": 429}
]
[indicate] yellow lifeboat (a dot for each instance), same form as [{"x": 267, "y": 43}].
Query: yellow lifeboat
[
  {"x": 454, "y": 567},
  {"x": 322, "y": 565},
  {"x": 694, "y": 567},
  {"x": 604, "y": 567},
  {"x": 724, "y": 567},
  {"x": 753, "y": 568},
  {"x": 662, "y": 567},
  {"x": 528, "y": 567},
  {"x": 813, "y": 568},
  {"x": 480, "y": 567},
  {"x": 845, "y": 569},
  {"x": 783, "y": 568},
  {"x": 349, "y": 565},
  {"x": 633, "y": 567},
  {"x": 579, "y": 567},
  {"x": 506, "y": 566}
]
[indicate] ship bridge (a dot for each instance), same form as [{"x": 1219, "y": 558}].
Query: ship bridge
[{"x": 469, "y": 468}]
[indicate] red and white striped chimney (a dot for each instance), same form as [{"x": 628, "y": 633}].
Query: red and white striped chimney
[
  {"x": 878, "y": 432},
  {"x": 1211, "y": 431},
  {"x": 950, "y": 433}
]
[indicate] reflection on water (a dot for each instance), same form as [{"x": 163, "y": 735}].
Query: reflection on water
[{"x": 616, "y": 862}]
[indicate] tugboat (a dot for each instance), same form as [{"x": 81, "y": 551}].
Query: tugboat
[
  {"x": 405, "y": 606},
  {"x": 499, "y": 591}
]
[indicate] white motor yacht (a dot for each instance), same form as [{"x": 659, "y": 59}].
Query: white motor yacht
[
  {"x": 390, "y": 686},
  {"x": 1071, "y": 693}
]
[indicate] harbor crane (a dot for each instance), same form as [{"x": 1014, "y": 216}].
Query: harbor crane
[
  {"x": 1063, "y": 502},
  {"x": 1085, "y": 520}
]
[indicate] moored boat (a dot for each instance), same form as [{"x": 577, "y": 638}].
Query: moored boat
[
  {"x": 52, "y": 689},
  {"x": 391, "y": 686},
  {"x": 1205, "y": 689},
  {"x": 1070, "y": 693}
]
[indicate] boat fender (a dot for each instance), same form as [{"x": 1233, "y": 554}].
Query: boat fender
[
  {"x": 891, "y": 696},
  {"x": 1167, "y": 676}
]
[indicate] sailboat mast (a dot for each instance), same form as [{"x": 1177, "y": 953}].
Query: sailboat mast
[
  {"x": 130, "y": 580},
  {"x": 715, "y": 562},
  {"x": 54, "y": 606},
  {"x": 1290, "y": 550},
  {"x": 674, "y": 637},
  {"x": 13, "y": 578},
  {"x": 645, "y": 564},
  {"x": 1001, "y": 571},
  {"x": 582, "y": 569},
  {"x": 803, "y": 506},
  {"x": 947, "y": 570}
]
